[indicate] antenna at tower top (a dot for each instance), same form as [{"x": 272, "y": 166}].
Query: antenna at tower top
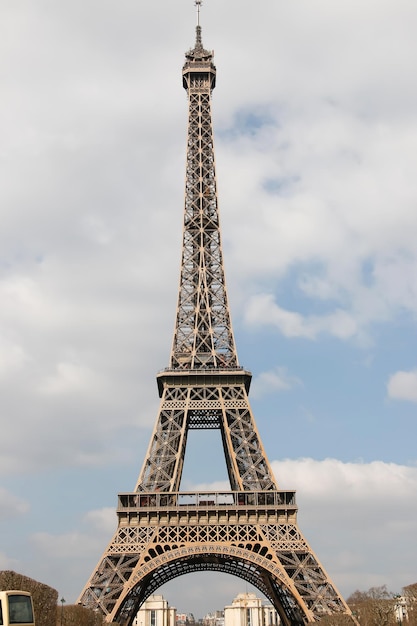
[{"x": 198, "y": 4}]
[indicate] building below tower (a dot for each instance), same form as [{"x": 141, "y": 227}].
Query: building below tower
[
  {"x": 248, "y": 610},
  {"x": 155, "y": 611}
]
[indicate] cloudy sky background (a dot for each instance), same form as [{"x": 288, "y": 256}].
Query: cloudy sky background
[{"x": 315, "y": 115}]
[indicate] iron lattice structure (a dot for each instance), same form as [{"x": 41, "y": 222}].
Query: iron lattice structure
[{"x": 250, "y": 531}]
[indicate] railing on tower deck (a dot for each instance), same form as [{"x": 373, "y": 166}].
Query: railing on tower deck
[
  {"x": 204, "y": 376},
  {"x": 195, "y": 66},
  {"x": 221, "y": 369},
  {"x": 204, "y": 499}
]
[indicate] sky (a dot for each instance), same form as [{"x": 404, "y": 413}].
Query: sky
[{"x": 315, "y": 120}]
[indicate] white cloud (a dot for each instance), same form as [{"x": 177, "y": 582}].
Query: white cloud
[
  {"x": 69, "y": 377},
  {"x": 8, "y": 563},
  {"x": 12, "y": 358},
  {"x": 262, "y": 310},
  {"x": 63, "y": 546},
  {"x": 272, "y": 381},
  {"x": 403, "y": 386},
  {"x": 103, "y": 520},
  {"x": 334, "y": 480},
  {"x": 98, "y": 527},
  {"x": 11, "y": 506},
  {"x": 339, "y": 230}
]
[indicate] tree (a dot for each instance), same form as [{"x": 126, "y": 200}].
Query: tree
[
  {"x": 375, "y": 607},
  {"x": 44, "y": 597},
  {"x": 410, "y": 593},
  {"x": 76, "y": 615}
]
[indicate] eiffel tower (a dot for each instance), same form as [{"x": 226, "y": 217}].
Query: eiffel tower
[{"x": 249, "y": 531}]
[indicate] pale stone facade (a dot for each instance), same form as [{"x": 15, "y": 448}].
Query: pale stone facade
[
  {"x": 248, "y": 610},
  {"x": 155, "y": 611}
]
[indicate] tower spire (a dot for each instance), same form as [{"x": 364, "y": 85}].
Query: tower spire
[
  {"x": 198, "y": 52},
  {"x": 198, "y": 4}
]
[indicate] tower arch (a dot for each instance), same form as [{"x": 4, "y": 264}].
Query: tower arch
[{"x": 262, "y": 573}]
